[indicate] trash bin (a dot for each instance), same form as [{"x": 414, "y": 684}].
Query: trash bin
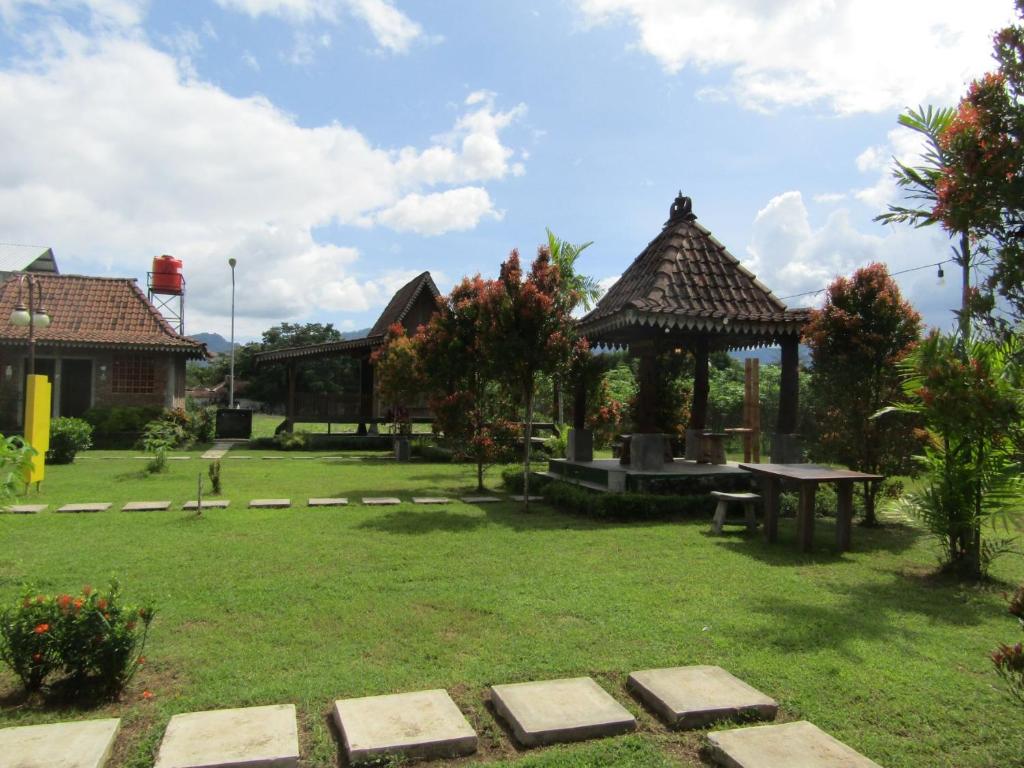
[{"x": 234, "y": 423}]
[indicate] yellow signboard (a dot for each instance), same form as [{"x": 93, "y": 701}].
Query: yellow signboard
[{"x": 37, "y": 423}]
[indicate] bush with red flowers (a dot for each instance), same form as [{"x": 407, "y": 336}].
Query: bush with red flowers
[
  {"x": 92, "y": 639},
  {"x": 1009, "y": 659}
]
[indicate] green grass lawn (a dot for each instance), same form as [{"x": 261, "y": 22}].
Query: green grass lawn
[{"x": 306, "y": 606}]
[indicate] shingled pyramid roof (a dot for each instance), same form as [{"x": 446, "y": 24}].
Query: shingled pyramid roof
[
  {"x": 403, "y": 301},
  {"x": 686, "y": 280}
]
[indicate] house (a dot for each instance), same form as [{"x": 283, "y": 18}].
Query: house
[{"x": 106, "y": 346}]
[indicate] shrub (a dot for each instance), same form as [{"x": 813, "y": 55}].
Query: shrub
[
  {"x": 92, "y": 639},
  {"x": 1009, "y": 659},
  {"x": 214, "y": 473},
  {"x": 512, "y": 479},
  {"x": 15, "y": 459},
  {"x": 432, "y": 452},
  {"x": 557, "y": 445},
  {"x": 68, "y": 436},
  {"x": 119, "y": 427},
  {"x": 291, "y": 441},
  {"x": 624, "y": 506}
]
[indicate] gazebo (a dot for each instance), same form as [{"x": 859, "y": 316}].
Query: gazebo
[{"x": 685, "y": 290}]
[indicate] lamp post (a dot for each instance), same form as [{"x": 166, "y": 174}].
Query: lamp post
[
  {"x": 231, "y": 386},
  {"x": 31, "y": 316}
]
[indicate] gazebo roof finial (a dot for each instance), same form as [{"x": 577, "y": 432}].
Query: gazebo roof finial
[{"x": 681, "y": 210}]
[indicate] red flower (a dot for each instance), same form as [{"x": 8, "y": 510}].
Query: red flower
[
  {"x": 37, "y": 657},
  {"x": 87, "y": 590},
  {"x": 42, "y": 629},
  {"x": 147, "y": 695}
]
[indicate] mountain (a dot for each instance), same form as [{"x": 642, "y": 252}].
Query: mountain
[{"x": 214, "y": 342}]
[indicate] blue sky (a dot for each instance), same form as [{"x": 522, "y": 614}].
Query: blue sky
[{"x": 338, "y": 147}]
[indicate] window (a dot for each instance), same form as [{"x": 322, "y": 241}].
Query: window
[{"x": 133, "y": 376}]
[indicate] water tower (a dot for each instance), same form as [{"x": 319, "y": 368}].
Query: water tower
[{"x": 167, "y": 290}]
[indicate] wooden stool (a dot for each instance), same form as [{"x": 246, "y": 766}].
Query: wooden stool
[{"x": 719, "y": 520}]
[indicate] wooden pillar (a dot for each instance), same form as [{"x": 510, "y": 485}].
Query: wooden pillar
[
  {"x": 805, "y": 516},
  {"x": 647, "y": 389},
  {"x": 290, "y": 407},
  {"x": 365, "y": 394},
  {"x": 579, "y": 405},
  {"x": 844, "y": 514},
  {"x": 789, "y": 386},
  {"x": 701, "y": 387},
  {"x": 772, "y": 488}
]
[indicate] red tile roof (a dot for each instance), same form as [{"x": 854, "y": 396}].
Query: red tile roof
[{"x": 94, "y": 312}]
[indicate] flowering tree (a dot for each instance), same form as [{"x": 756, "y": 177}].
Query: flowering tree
[
  {"x": 527, "y": 330},
  {"x": 398, "y": 375},
  {"x": 857, "y": 339},
  {"x": 455, "y": 372}
]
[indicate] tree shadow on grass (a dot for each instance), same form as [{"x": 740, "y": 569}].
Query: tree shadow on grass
[
  {"x": 892, "y": 539},
  {"x": 415, "y": 522}
]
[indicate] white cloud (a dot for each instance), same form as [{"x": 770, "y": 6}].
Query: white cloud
[
  {"x": 393, "y": 30},
  {"x": 828, "y": 198},
  {"x": 902, "y": 144},
  {"x": 435, "y": 214},
  {"x": 855, "y": 55},
  {"x": 119, "y": 13},
  {"x": 793, "y": 257},
  {"x": 127, "y": 157}
]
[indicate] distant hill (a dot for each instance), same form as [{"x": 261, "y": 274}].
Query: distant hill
[
  {"x": 770, "y": 355},
  {"x": 355, "y": 334},
  {"x": 214, "y": 342}
]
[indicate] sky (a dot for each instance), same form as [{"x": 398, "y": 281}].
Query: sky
[{"x": 337, "y": 148}]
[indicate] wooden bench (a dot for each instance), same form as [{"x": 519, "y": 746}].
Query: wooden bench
[{"x": 724, "y": 498}]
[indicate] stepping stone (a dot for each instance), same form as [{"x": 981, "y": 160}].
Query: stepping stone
[
  {"x": 789, "y": 745},
  {"x": 101, "y": 507},
  {"x": 327, "y": 502},
  {"x": 691, "y": 697},
  {"x": 479, "y": 499},
  {"x": 146, "y": 506},
  {"x": 430, "y": 500},
  {"x": 215, "y": 504},
  {"x": 82, "y": 744},
  {"x": 425, "y": 724},
  {"x": 178, "y": 458},
  {"x": 554, "y": 711},
  {"x": 381, "y": 501},
  {"x": 253, "y": 737},
  {"x": 272, "y": 458},
  {"x": 523, "y": 498},
  {"x": 240, "y": 458},
  {"x": 270, "y": 503},
  {"x": 26, "y": 509}
]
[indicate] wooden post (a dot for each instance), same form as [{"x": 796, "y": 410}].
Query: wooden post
[
  {"x": 805, "y": 516},
  {"x": 290, "y": 407},
  {"x": 699, "y": 409},
  {"x": 772, "y": 487},
  {"x": 844, "y": 514},
  {"x": 755, "y": 410},
  {"x": 365, "y": 394},
  {"x": 789, "y": 386},
  {"x": 579, "y": 405},
  {"x": 647, "y": 386}
]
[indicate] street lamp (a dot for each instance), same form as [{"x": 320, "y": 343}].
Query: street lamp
[
  {"x": 231, "y": 386},
  {"x": 32, "y": 316}
]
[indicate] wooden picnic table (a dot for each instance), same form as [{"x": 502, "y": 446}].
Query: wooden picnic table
[{"x": 808, "y": 477}]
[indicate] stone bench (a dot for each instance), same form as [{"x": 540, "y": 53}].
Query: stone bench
[{"x": 747, "y": 499}]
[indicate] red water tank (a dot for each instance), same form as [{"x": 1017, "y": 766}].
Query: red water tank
[{"x": 167, "y": 277}]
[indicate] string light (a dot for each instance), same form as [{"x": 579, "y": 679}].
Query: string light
[{"x": 941, "y": 275}]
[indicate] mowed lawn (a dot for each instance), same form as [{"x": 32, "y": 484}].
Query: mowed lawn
[{"x": 309, "y": 605}]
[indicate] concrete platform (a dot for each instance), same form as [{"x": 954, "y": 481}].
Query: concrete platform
[
  {"x": 523, "y": 498},
  {"x": 381, "y": 501},
  {"x": 100, "y": 507},
  {"x": 26, "y": 509},
  {"x": 424, "y": 724},
  {"x": 691, "y": 697},
  {"x": 327, "y": 502},
  {"x": 214, "y": 504},
  {"x": 270, "y": 503},
  {"x": 480, "y": 499},
  {"x": 146, "y": 506},
  {"x": 789, "y": 745},
  {"x": 81, "y": 744},
  {"x": 554, "y": 711},
  {"x": 253, "y": 737},
  {"x": 430, "y": 500}
]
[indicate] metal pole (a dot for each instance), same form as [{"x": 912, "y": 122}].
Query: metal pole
[
  {"x": 231, "y": 389},
  {"x": 31, "y": 327}
]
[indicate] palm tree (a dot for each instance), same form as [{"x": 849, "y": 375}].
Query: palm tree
[
  {"x": 920, "y": 183},
  {"x": 564, "y": 254}
]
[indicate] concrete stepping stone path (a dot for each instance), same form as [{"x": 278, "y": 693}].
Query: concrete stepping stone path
[
  {"x": 788, "y": 745},
  {"x": 523, "y": 498},
  {"x": 146, "y": 506},
  {"x": 26, "y": 509},
  {"x": 691, "y": 697},
  {"x": 479, "y": 499},
  {"x": 100, "y": 507},
  {"x": 424, "y": 724},
  {"x": 253, "y": 737},
  {"x": 555, "y": 711},
  {"x": 213, "y": 504},
  {"x": 327, "y": 502},
  {"x": 381, "y": 501},
  {"x": 82, "y": 744},
  {"x": 270, "y": 503},
  {"x": 430, "y": 500}
]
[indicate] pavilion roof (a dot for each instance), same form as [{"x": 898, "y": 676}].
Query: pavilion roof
[{"x": 686, "y": 280}]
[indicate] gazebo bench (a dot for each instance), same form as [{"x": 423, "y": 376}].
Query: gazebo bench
[{"x": 724, "y": 498}]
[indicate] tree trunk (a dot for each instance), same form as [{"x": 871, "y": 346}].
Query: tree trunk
[
  {"x": 870, "y": 494},
  {"x": 965, "y": 295},
  {"x": 527, "y": 444},
  {"x": 480, "y": 476}
]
